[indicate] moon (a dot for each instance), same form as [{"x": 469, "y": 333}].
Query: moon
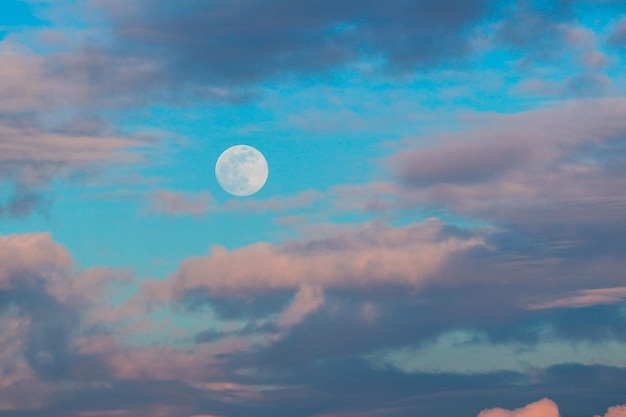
[{"x": 241, "y": 170}]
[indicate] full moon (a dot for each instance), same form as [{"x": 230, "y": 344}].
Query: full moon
[{"x": 241, "y": 170}]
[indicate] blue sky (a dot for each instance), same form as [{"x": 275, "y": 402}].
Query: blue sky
[{"x": 441, "y": 233}]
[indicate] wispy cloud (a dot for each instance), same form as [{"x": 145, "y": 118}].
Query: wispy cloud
[
  {"x": 585, "y": 298},
  {"x": 179, "y": 203}
]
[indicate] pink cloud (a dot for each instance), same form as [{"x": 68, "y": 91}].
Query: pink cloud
[
  {"x": 180, "y": 203},
  {"x": 529, "y": 167},
  {"x": 25, "y": 85},
  {"x": 48, "y": 139},
  {"x": 33, "y": 253},
  {"x": 617, "y": 411},
  {"x": 541, "y": 408},
  {"x": 25, "y": 256},
  {"x": 584, "y": 298},
  {"x": 306, "y": 301},
  {"x": 33, "y": 156},
  {"x": 373, "y": 254}
]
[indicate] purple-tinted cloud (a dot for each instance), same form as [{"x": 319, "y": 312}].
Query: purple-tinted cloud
[
  {"x": 179, "y": 203},
  {"x": 618, "y": 37},
  {"x": 373, "y": 255},
  {"x": 545, "y": 163},
  {"x": 458, "y": 164},
  {"x": 247, "y": 39},
  {"x": 57, "y": 344}
]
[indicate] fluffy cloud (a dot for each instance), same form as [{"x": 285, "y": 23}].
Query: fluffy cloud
[
  {"x": 372, "y": 255},
  {"x": 617, "y": 411},
  {"x": 541, "y": 408},
  {"x": 55, "y": 338},
  {"x": 31, "y": 255}
]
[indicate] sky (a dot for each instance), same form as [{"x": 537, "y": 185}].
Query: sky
[{"x": 442, "y": 232}]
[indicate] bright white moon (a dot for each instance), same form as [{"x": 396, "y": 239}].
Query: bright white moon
[{"x": 241, "y": 170}]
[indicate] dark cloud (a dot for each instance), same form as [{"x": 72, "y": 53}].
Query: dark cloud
[
  {"x": 232, "y": 307},
  {"x": 618, "y": 37},
  {"x": 587, "y": 85},
  {"x": 52, "y": 327},
  {"x": 353, "y": 387},
  {"x": 316, "y": 366},
  {"x": 247, "y": 40},
  {"x": 23, "y": 203},
  {"x": 535, "y": 27},
  {"x": 135, "y": 398}
]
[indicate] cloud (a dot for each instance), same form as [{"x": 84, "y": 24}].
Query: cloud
[
  {"x": 22, "y": 204},
  {"x": 618, "y": 37},
  {"x": 546, "y": 166},
  {"x": 536, "y": 29},
  {"x": 31, "y": 255},
  {"x": 25, "y": 84},
  {"x": 32, "y": 156},
  {"x": 248, "y": 40},
  {"x": 52, "y": 127},
  {"x": 616, "y": 411},
  {"x": 585, "y": 298},
  {"x": 34, "y": 269},
  {"x": 458, "y": 164},
  {"x": 307, "y": 300},
  {"x": 179, "y": 203},
  {"x": 372, "y": 255},
  {"x": 541, "y": 408}
]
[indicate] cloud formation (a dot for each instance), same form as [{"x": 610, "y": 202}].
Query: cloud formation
[
  {"x": 546, "y": 167},
  {"x": 56, "y": 319},
  {"x": 372, "y": 255},
  {"x": 616, "y": 411},
  {"x": 247, "y": 40},
  {"x": 526, "y": 252},
  {"x": 541, "y": 408}
]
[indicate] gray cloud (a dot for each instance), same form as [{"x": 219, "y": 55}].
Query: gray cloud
[
  {"x": 618, "y": 37},
  {"x": 247, "y": 40},
  {"x": 458, "y": 164},
  {"x": 539, "y": 170},
  {"x": 23, "y": 203},
  {"x": 318, "y": 360}
]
